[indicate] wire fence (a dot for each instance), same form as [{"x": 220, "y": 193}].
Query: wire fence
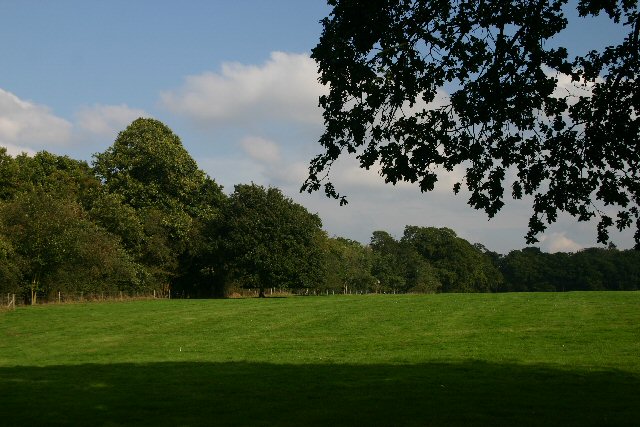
[{"x": 9, "y": 301}]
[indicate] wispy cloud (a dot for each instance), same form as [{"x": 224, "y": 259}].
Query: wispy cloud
[
  {"x": 26, "y": 126},
  {"x": 261, "y": 150}
]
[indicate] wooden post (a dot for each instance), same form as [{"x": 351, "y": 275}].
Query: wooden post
[
  {"x": 154, "y": 294},
  {"x": 59, "y": 299}
]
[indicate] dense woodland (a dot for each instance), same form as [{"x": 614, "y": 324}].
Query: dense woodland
[{"x": 143, "y": 218}]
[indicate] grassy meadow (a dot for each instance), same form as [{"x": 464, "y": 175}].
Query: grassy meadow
[{"x": 373, "y": 360}]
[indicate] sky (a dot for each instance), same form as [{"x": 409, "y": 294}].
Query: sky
[{"x": 234, "y": 80}]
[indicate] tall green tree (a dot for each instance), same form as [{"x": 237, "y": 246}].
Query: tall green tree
[
  {"x": 507, "y": 119},
  {"x": 528, "y": 270},
  {"x": 400, "y": 268},
  {"x": 150, "y": 175},
  {"x": 270, "y": 240},
  {"x": 148, "y": 165},
  {"x": 387, "y": 266},
  {"x": 348, "y": 266},
  {"x": 459, "y": 266}
]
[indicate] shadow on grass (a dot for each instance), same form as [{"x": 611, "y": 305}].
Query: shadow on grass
[{"x": 471, "y": 393}]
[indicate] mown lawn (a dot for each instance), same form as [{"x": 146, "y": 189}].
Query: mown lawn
[{"x": 449, "y": 359}]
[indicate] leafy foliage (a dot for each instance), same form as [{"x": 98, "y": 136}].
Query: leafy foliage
[
  {"x": 121, "y": 227},
  {"x": 149, "y": 167},
  {"x": 348, "y": 267},
  {"x": 270, "y": 239},
  {"x": 9, "y": 269},
  {"x": 8, "y": 175},
  {"x": 54, "y": 246},
  {"x": 429, "y": 259},
  {"x": 592, "y": 269},
  {"x": 400, "y": 268},
  {"x": 506, "y": 120},
  {"x": 154, "y": 198}
]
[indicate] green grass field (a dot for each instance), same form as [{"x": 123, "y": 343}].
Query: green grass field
[{"x": 385, "y": 360}]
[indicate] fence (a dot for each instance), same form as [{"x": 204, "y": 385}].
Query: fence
[
  {"x": 10, "y": 302},
  {"x": 238, "y": 292},
  {"x": 321, "y": 292},
  {"x": 62, "y": 297},
  {"x": 273, "y": 292},
  {"x": 254, "y": 292}
]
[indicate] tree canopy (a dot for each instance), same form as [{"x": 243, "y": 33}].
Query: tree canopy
[
  {"x": 418, "y": 86},
  {"x": 270, "y": 239},
  {"x": 155, "y": 198},
  {"x": 149, "y": 167},
  {"x": 54, "y": 243},
  {"x": 121, "y": 227}
]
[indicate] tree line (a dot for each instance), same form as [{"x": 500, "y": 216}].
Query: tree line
[{"x": 143, "y": 217}]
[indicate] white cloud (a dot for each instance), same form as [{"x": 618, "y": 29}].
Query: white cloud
[
  {"x": 29, "y": 127},
  {"x": 285, "y": 87},
  {"x": 25, "y": 125},
  {"x": 260, "y": 149},
  {"x": 107, "y": 120},
  {"x": 558, "y": 242}
]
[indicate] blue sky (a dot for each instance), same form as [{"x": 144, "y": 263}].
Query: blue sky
[{"x": 234, "y": 80}]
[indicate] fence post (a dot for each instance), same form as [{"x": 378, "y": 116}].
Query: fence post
[{"x": 59, "y": 299}]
